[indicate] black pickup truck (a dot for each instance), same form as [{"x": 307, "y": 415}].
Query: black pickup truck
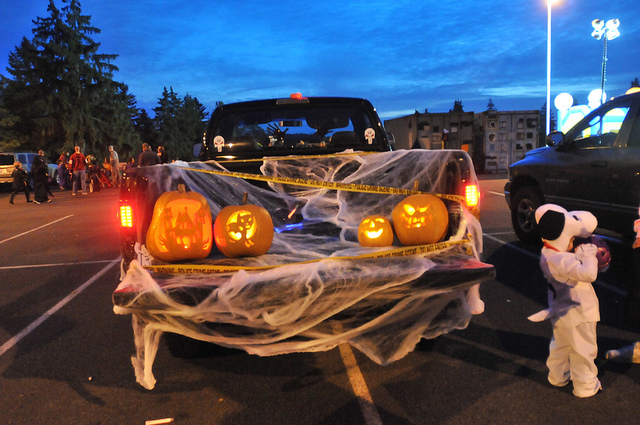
[{"x": 319, "y": 166}]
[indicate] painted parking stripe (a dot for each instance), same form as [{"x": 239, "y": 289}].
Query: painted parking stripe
[
  {"x": 75, "y": 263},
  {"x": 37, "y": 228},
  {"x": 26, "y": 331},
  {"x": 356, "y": 379}
]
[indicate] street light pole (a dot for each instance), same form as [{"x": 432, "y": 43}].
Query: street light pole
[
  {"x": 605, "y": 32},
  {"x": 548, "y": 112}
]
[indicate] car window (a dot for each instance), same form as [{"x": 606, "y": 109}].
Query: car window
[
  {"x": 602, "y": 130},
  {"x": 294, "y": 128},
  {"x": 6, "y": 159}
]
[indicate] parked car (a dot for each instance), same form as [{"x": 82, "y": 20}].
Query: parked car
[
  {"x": 26, "y": 158},
  {"x": 595, "y": 166}
]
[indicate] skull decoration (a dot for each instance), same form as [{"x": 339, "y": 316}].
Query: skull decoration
[
  {"x": 243, "y": 230},
  {"x": 181, "y": 227},
  {"x": 420, "y": 219},
  {"x": 375, "y": 230}
]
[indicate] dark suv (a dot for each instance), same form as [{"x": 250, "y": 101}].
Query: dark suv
[{"x": 594, "y": 167}]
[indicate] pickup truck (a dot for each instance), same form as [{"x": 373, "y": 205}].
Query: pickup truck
[
  {"x": 594, "y": 167},
  {"x": 318, "y": 166}
]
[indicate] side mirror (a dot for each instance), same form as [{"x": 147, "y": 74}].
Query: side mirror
[
  {"x": 197, "y": 150},
  {"x": 391, "y": 139},
  {"x": 555, "y": 138}
]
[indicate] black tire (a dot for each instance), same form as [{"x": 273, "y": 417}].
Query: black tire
[{"x": 525, "y": 202}]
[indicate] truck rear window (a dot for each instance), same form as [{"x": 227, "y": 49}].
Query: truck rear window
[{"x": 293, "y": 128}]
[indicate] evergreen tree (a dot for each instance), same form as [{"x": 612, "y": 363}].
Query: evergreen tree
[
  {"x": 62, "y": 90},
  {"x": 457, "y": 106},
  {"x": 180, "y": 124},
  {"x": 146, "y": 129}
]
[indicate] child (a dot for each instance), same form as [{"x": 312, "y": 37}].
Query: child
[
  {"x": 573, "y": 304},
  {"x": 19, "y": 182}
]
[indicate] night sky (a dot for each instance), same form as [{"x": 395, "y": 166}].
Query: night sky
[{"x": 403, "y": 55}]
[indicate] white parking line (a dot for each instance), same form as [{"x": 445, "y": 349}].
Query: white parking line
[
  {"x": 76, "y": 263},
  {"x": 359, "y": 386},
  {"x": 356, "y": 379},
  {"x": 26, "y": 331},
  {"x": 37, "y": 228}
]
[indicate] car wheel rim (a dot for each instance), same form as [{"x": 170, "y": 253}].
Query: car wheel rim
[{"x": 526, "y": 215}]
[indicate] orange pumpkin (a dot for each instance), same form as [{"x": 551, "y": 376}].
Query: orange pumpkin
[
  {"x": 375, "y": 230},
  {"x": 181, "y": 227},
  {"x": 243, "y": 230},
  {"x": 420, "y": 219}
]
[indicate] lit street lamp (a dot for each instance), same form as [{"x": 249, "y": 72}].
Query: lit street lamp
[{"x": 606, "y": 32}]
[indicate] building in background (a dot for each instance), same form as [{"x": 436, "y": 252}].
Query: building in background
[{"x": 494, "y": 139}]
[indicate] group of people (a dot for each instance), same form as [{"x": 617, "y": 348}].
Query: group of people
[
  {"x": 39, "y": 173},
  {"x": 72, "y": 172}
]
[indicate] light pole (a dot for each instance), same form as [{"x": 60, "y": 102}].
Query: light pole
[
  {"x": 548, "y": 112},
  {"x": 606, "y": 32}
]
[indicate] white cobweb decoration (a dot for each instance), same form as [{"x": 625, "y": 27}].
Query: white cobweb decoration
[{"x": 382, "y": 306}]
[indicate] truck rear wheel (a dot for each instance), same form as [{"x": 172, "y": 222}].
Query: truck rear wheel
[{"x": 525, "y": 203}]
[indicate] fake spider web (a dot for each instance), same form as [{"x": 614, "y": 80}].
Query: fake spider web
[{"x": 382, "y": 306}]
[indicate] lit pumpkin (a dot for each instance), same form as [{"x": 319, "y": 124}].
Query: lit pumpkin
[
  {"x": 181, "y": 227},
  {"x": 375, "y": 230},
  {"x": 243, "y": 230},
  {"x": 420, "y": 219}
]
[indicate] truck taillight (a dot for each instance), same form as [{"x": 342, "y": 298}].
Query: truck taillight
[
  {"x": 126, "y": 216},
  {"x": 471, "y": 195}
]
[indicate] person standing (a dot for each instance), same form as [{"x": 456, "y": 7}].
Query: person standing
[
  {"x": 79, "y": 171},
  {"x": 162, "y": 155},
  {"x": 115, "y": 167},
  {"x": 63, "y": 173},
  {"x": 39, "y": 172},
  {"x": 147, "y": 157},
  {"x": 19, "y": 182},
  {"x": 573, "y": 304}
]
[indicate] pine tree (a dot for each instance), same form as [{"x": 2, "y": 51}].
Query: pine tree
[
  {"x": 63, "y": 90},
  {"x": 457, "y": 106},
  {"x": 180, "y": 124}
]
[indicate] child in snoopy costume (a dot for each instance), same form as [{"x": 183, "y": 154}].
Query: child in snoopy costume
[{"x": 573, "y": 304}]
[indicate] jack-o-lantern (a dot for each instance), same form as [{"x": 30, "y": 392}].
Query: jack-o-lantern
[
  {"x": 420, "y": 219},
  {"x": 181, "y": 227},
  {"x": 375, "y": 230},
  {"x": 243, "y": 230}
]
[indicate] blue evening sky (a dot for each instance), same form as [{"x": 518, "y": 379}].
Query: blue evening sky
[{"x": 403, "y": 55}]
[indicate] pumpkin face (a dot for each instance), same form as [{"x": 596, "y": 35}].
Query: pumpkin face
[
  {"x": 243, "y": 230},
  {"x": 375, "y": 230},
  {"x": 181, "y": 227},
  {"x": 420, "y": 219}
]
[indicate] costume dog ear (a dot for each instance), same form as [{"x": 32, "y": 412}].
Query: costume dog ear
[{"x": 551, "y": 224}]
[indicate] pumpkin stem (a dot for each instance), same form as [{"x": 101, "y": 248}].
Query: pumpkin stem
[
  {"x": 416, "y": 184},
  {"x": 245, "y": 198},
  {"x": 182, "y": 188}
]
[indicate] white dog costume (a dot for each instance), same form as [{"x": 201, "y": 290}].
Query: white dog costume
[{"x": 573, "y": 304}]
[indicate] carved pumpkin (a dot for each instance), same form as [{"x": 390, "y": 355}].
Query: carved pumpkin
[
  {"x": 181, "y": 227},
  {"x": 375, "y": 230},
  {"x": 420, "y": 219},
  {"x": 243, "y": 230}
]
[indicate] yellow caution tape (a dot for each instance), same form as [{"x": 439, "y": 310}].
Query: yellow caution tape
[
  {"x": 348, "y": 187},
  {"x": 396, "y": 252}
]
